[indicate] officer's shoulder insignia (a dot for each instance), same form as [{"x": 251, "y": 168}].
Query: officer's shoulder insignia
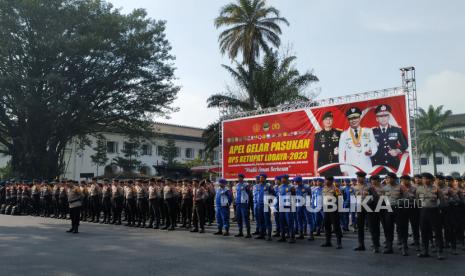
[{"x": 339, "y": 129}]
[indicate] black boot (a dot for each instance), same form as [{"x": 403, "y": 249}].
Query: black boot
[
  {"x": 327, "y": 243},
  {"x": 268, "y": 236},
  {"x": 239, "y": 235},
  {"x": 226, "y": 233},
  {"x": 301, "y": 236},
  {"x": 360, "y": 247},
  {"x": 339, "y": 243},
  {"x": 219, "y": 232},
  {"x": 311, "y": 237},
  {"x": 248, "y": 236},
  {"x": 70, "y": 230},
  {"x": 404, "y": 250},
  {"x": 277, "y": 234},
  {"x": 76, "y": 230},
  {"x": 424, "y": 252},
  {"x": 439, "y": 254},
  {"x": 388, "y": 249}
]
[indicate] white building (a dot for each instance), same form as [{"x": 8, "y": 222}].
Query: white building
[
  {"x": 455, "y": 164},
  {"x": 188, "y": 140}
]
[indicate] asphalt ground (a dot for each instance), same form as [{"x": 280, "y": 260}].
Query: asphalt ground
[{"x": 40, "y": 246}]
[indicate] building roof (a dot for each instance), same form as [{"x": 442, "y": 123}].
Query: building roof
[
  {"x": 179, "y": 132},
  {"x": 456, "y": 120}
]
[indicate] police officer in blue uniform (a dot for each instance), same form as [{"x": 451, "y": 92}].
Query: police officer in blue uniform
[
  {"x": 242, "y": 206},
  {"x": 223, "y": 199},
  {"x": 277, "y": 183},
  {"x": 391, "y": 140},
  {"x": 286, "y": 214},
  {"x": 261, "y": 192},
  {"x": 303, "y": 194}
]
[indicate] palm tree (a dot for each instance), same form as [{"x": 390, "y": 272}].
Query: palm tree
[
  {"x": 276, "y": 82},
  {"x": 432, "y": 136},
  {"x": 251, "y": 27}
]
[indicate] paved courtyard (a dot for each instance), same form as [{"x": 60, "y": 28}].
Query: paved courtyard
[{"x": 40, "y": 246}]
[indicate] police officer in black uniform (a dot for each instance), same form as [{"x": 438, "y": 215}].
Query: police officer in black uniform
[
  {"x": 391, "y": 140},
  {"x": 326, "y": 146}
]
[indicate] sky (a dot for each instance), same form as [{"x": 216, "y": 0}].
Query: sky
[{"x": 351, "y": 46}]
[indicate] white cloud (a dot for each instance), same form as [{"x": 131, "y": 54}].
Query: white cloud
[{"x": 444, "y": 88}]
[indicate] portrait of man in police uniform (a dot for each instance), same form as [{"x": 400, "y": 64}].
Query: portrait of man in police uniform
[
  {"x": 392, "y": 142},
  {"x": 326, "y": 147},
  {"x": 357, "y": 145}
]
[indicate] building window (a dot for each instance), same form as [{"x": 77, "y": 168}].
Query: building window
[
  {"x": 159, "y": 150},
  {"x": 146, "y": 149},
  {"x": 112, "y": 147},
  {"x": 454, "y": 160},
  {"x": 439, "y": 160},
  {"x": 215, "y": 155},
  {"x": 424, "y": 161},
  {"x": 201, "y": 154},
  {"x": 178, "y": 152},
  {"x": 189, "y": 153}
]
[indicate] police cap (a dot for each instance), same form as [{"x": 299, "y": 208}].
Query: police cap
[
  {"x": 383, "y": 108},
  {"x": 353, "y": 112},
  {"x": 361, "y": 174},
  {"x": 328, "y": 114}
]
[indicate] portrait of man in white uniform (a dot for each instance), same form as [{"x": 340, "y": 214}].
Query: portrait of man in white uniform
[{"x": 357, "y": 145}]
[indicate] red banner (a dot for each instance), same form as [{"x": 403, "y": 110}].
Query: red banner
[{"x": 338, "y": 140}]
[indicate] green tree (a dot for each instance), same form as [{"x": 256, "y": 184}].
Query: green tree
[
  {"x": 129, "y": 163},
  {"x": 99, "y": 158},
  {"x": 432, "y": 135},
  {"x": 276, "y": 82},
  {"x": 251, "y": 26},
  {"x": 169, "y": 153},
  {"x": 69, "y": 68}
]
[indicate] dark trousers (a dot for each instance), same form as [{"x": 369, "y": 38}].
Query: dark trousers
[
  {"x": 131, "y": 210},
  {"x": 75, "y": 214},
  {"x": 374, "y": 222},
  {"x": 408, "y": 216},
  {"x": 430, "y": 222},
  {"x": 142, "y": 210},
  {"x": 95, "y": 208},
  {"x": 186, "y": 210},
  {"x": 154, "y": 211},
  {"x": 389, "y": 221},
  {"x": 63, "y": 202},
  {"x": 117, "y": 208},
  {"x": 56, "y": 205},
  {"x": 170, "y": 204},
  {"x": 36, "y": 204},
  {"x": 331, "y": 223},
  {"x": 84, "y": 208},
  {"x": 361, "y": 220},
  {"x": 198, "y": 218},
  {"x": 453, "y": 223},
  {"x": 106, "y": 206}
]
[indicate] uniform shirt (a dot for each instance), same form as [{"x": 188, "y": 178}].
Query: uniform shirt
[
  {"x": 62, "y": 192},
  {"x": 445, "y": 191},
  {"x": 242, "y": 191},
  {"x": 223, "y": 197},
  {"x": 106, "y": 191},
  {"x": 305, "y": 192},
  {"x": 393, "y": 193},
  {"x": 327, "y": 144},
  {"x": 388, "y": 138},
  {"x": 167, "y": 192},
  {"x": 94, "y": 190},
  {"x": 74, "y": 197},
  {"x": 199, "y": 194},
  {"x": 141, "y": 192},
  {"x": 260, "y": 191},
  {"x": 35, "y": 190},
  {"x": 455, "y": 197},
  {"x": 129, "y": 193},
  {"x": 186, "y": 192},
  {"x": 352, "y": 150},
  {"x": 152, "y": 192},
  {"x": 408, "y": 195},
  {"x": 317, "y": 197},
  {"x": 285, "y": 192},
  {"x": 330, "y": 191},
  {"x": 116, "y": 191},
  {"x": 56, "y": 190},
  {"x": 429, "y": 196}
]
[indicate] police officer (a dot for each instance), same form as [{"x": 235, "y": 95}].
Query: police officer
[
  {"x": 63, "y": 200},
  {"x": 361, "y": 192},
  {"x": 223, "y": 199},
  {"x": 75, "y": 203},
  {"x": 356, "y": 145},
  {"x": 277, "y": 183},
  {"x": 170, "y": 203},
  {"x": 262, "y": 190},
  {"x": 117, "y": 198},
  {"x": 186, "y": 204},
  {"x": 94, "y": 200},
  {"x": 199, "y": 196},
  {"x": 106, "y": 201},
  {"x": 142, "y": 203},
  {"x": 430, "y": 196},
  {"x": 242, "y": 192},
  {"x": 392, "y": 192},
  {"x": 303, "y": 194},
  {"x": 375, "y": 191},
  {"x": 392, "y": 142},
  {"x": 317, "y": 204},
  {"x": 286, "y": 209},
  {"x": 331, "y": 216},
  {"x": 408, "y": 213},
  {"x": 326, "y": 148},
  {"x": 130, "y": 196}
]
